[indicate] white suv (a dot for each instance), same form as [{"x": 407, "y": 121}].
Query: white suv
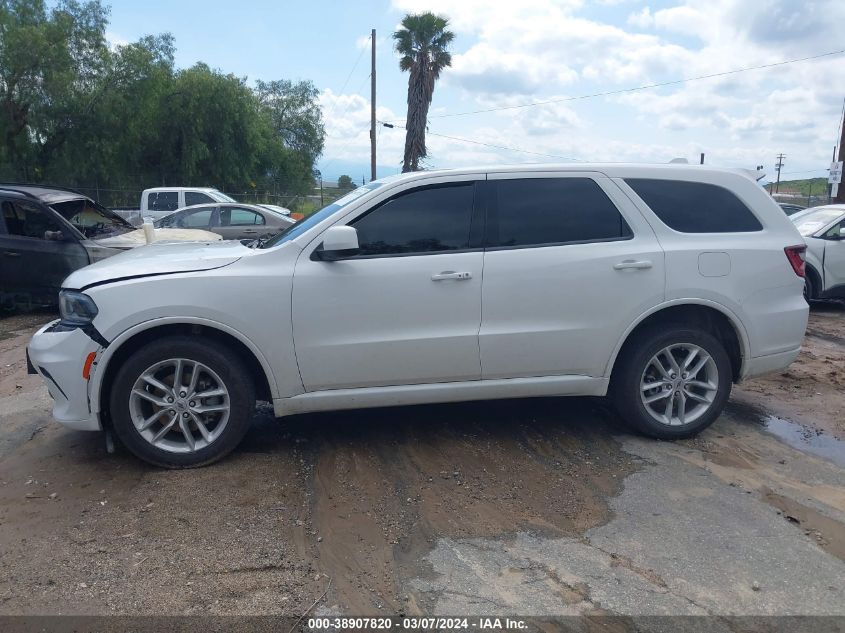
[{"x": 658, "y": 285}]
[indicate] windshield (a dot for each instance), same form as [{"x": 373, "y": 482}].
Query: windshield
[
  {"x": 813, "y": 221},
  {"x": 312, "y": 220},
  {"x": 220, "y": 197},
  {"x": 92, "y": 220}
]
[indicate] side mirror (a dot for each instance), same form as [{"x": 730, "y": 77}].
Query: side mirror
[
  {"x": 54, "y": 236},
  {"x": 338, "y": 242},
  {"x": 842, "y": 232}
]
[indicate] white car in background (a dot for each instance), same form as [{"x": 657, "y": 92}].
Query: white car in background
[
  {"x": 159, "y": 202},
  {"x": 823, "y": 228},
  {"x": 658, "y": 285}
]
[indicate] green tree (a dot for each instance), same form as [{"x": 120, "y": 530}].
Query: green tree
[
  {"x": 120, "y": 143},
  {"x": 212, "y": 130},
  {"x": 295, "y": 114},
  {"x": 345, "y": 182},
  {"x": 74, "y": 112},
  {"x": 48, "y": 63},
  {"x": 297, "y": 134},
  {"x": 422, "y": 41}
]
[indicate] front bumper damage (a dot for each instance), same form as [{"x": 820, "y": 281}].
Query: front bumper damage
[{"x": 58, "y": 355}]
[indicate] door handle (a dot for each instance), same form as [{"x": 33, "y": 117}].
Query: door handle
[
  {"x": 449, "y": 274},
  {"x": 11, "y": 254},
  {"x": 631, "y": 264}
]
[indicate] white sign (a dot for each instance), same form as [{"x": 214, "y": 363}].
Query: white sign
[{"x": 835, "y": 176}]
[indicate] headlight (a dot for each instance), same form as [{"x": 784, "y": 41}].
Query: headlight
[{"x": 76, "y": 308}]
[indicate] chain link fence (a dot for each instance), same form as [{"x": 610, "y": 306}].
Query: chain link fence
[{"x": 131, "y": 198}]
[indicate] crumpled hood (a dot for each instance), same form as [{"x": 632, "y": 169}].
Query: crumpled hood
[
  {"x": 134, "y": 239},
  {"x": 158, "y": 258}
]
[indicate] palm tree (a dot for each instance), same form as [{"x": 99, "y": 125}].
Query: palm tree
[{"x": 422, "y": 41}]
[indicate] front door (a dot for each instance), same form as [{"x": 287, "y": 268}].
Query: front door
[
  {"x": 834, "y": 260},
  {"x": 406, "y": 309},
  {"x": 565, "y": 272},
  {"x": 37, "y": 252}
]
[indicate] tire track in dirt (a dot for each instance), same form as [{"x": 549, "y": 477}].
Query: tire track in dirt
[{"x": 386, "y": 484}]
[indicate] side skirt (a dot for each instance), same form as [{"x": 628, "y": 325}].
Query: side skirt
[{"x": 338, "y": 399}]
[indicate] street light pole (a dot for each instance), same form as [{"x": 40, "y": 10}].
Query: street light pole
[{"x": 373, "y": 107}]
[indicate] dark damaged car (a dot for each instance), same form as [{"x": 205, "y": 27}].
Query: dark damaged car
[{"x": 47, "y": 233}]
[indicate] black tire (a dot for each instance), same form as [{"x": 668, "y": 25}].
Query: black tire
[
  {"x": 625, "y": 388},
  {"x": 222, "y": 361},
  {"x": 809, "y": 287}
]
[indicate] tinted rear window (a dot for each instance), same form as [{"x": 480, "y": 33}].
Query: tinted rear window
[
  {"x": 163, "y": 201},
  {"x": 537, "y": 211},
  {"x": 695, "y": 207}
]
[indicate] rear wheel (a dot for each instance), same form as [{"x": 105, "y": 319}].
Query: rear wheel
[
  {"x": 672, "y": 382},
  {"x": 181, "y": 402}
]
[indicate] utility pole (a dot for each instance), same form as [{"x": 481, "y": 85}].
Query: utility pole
[
  {"x": 702, "y": 159},
  {"x": 778, "y": 166},
  {"x": 373, "y": 107},
  {"x": 840, "y": 192}
]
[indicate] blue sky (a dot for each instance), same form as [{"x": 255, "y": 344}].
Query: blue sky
[{"x": 511, "y": 53}]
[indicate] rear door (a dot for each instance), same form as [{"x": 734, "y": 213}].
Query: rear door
[
  {"x": 37, "y": 252},
  {"x": 204, "y": 218},
  {"x": 569, "y": 264}
]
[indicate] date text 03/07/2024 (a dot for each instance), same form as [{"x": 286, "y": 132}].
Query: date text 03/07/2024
[{"x": 416, "y": 623}]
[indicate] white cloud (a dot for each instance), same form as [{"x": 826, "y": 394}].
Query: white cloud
[
  {"x": 510, "y": 53},
  {"x": 642, "y": 19}
]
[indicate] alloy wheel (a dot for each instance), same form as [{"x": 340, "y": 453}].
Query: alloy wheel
[
  {"x": 679, "y": 384},
  {"x": 179, "y": 405}
]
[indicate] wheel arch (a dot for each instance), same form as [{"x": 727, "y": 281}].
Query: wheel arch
[
  {"x": 711, "y": 316},
  {"x": 815, "y": 277},
  {"x": 131, "y": 339}
]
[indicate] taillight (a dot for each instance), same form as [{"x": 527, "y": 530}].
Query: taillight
[{"x": 795, "y": 255}]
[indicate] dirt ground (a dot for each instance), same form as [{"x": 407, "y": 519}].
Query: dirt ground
[
  {"x": 812, "y": 390},
  {"x": 542, "y": 506}
]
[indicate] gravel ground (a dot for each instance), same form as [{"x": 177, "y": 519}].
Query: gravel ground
[{"x": 545, "y": 506}]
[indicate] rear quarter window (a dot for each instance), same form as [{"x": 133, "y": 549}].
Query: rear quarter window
[{"x": 695, "y": 207}]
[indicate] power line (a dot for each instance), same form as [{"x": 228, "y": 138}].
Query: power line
[
  {"x": 637, "y": 88},
  {"x": 505, "y": 147},
  {"x": 357, "y": 61},
  {"x": 342, "y": 147},
  {"x": 349, "y": 76}
]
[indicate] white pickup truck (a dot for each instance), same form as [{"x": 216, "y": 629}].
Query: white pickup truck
[{"x": 161, "y": 201}]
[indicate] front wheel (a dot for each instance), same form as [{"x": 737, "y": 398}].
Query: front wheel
[
  {"x": 181, "y": 402},
  {"x": 672, "y": 382},
  {"x": 809, "y": 289}
]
